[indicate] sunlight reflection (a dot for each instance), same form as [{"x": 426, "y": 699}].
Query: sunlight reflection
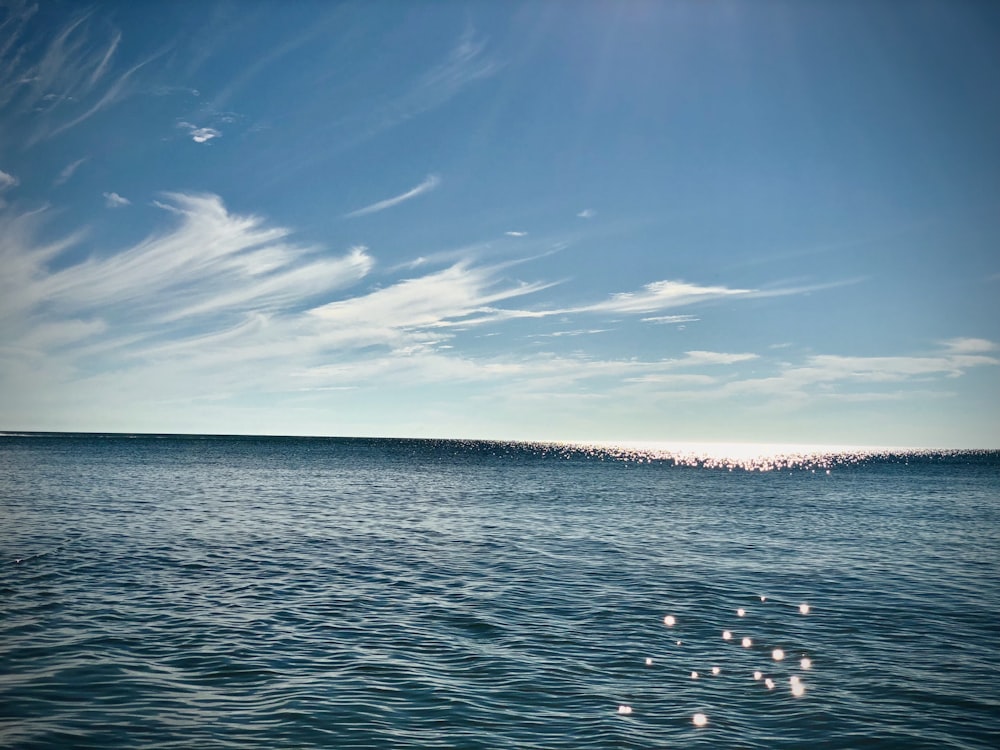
[{"x": 746, "y": 456}]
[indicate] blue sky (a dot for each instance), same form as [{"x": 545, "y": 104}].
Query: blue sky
[{"x": 664, "y": 221}]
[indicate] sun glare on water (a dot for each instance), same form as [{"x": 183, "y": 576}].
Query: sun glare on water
[{"x": 746, "y": 456}]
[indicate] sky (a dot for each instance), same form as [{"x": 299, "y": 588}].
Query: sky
[{"x": 691, "y": 220}]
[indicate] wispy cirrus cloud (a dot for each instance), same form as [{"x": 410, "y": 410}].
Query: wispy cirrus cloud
[
  {"x": 671, "y": 319},
  {"x": 62, "y": 80},
  {"x": 465, "y": 63},
  {"x": 69, "y": 170},
  {"x": 969, "y": 346},
  {"x": 830, "y": 375},
  {"x": 662, "y": 295},
  {"x": 430, "y": 183},
  {"x": 210, "y": 261}
]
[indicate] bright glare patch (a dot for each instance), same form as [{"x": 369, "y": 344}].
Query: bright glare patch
[
  {"x": 798, "y": 689},
  {"x": 763, "y": 598},
  {"x": 757, "y": 675},
  {"x": 649, "y": 662},
  {"x": 623, "y": 709},
  {"x": 745, "y": 456},
  {"x": 669, "y": 621},
  {"x": 699, "y": 720},
  {"x": 694, "y": 675},
  {"x": 778, "y": 654},
  {"x": 747, "y": 643},
  {"x": 804, "y": 608},
  {"x": 726, "y": 635},
  {"x": 806, "y": 663},
  {"x": 770, "y": 683},
  {"x": 716, "y": 670},
  {"x": 740, "y": 612}
]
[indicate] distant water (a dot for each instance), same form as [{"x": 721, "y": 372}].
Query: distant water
[{"x": 165, "y": 592}]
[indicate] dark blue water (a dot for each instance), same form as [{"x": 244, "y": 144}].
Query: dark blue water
[{"x": 305, "y": 593}]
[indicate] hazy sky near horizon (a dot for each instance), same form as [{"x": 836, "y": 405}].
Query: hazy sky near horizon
[{"x": 681, "y": 221}]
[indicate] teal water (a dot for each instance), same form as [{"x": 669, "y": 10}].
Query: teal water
[{"x": 170, "y": 592}]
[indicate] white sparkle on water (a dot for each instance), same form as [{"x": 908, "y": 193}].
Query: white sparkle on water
[{"x": 796, "y": 686}]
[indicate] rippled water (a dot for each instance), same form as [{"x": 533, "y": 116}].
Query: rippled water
[{"x": 170, "y": 592}]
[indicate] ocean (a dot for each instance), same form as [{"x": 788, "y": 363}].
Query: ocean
[{"x": 243, "y": 592}]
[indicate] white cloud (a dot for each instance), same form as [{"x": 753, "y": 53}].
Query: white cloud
[
  {"x": 661, "y": 295},
  {"x": 587, "y": 213},
  {"x": 671, "y": 319},
  {"x": 68, "y": 171},
  {"x": 577, "y": 332},
  {"x": 827, "y": 375},
  {"x": 7, "y": 180},
  {"x": 516, "y": 234},
  {"x": 199, "y": 135},
  {"x": 698, "y": 358},
  {"x": 435, "y": 300},
  {"x": 427, "y": 185},
  {"x": 211, "y": 260},
  {"x": 113, "y": 200},
  {"x": 969, "y": 346}
]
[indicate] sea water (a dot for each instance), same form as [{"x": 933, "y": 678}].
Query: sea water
[{"x": 181, "y": 592}]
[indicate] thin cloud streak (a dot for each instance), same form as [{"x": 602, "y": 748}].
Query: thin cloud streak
[
  {"x": 68, "y": 171},
  {"x": 426, "y": 186},
  {"x": 64, "y": 81}
]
